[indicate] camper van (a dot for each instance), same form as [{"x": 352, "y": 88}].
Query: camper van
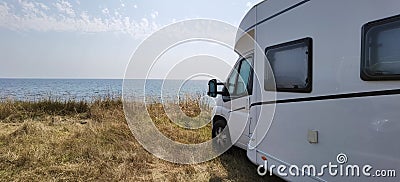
[{"x": 335, "y": 99}]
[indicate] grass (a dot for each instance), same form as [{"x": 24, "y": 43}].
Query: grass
[{"x": 54, "y": 140}]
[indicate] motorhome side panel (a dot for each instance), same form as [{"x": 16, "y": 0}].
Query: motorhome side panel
[{"x": 364, "y": 126}]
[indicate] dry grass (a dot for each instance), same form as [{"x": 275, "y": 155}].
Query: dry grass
[{"x": 78, "y": 141}]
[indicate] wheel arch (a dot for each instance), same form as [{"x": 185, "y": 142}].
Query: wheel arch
[{"x": 218, "y": 117}]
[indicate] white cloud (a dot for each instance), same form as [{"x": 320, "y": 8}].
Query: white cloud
[
  {"x": 42, "y": 6},
  {"x": 26, "y": 6},
  {"x": 154, "y": 14},
  {"x": 64, "y": 7},
  {"x": 105, "y": 11},
  {"x": 85, "y": 17},
  {"x": 249, "y": 4},
  {"x": 117, "y": 14},
  {"x": 37, "y": 17},
  {"x": 135, "y": 6},
  {"x": 145, "y": 22},
  {"x": 3, "y": 10}
]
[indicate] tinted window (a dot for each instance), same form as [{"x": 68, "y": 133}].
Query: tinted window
[
  {"x": 231, "y": 82},
  {"x": 240, "y": 81},
  {"x": 381, "y": 50},
  {"x": 245, "y": 73},
  {"x": 291, "y": 65}
]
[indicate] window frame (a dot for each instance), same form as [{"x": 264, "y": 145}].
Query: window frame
[
  {"x": 250, "y": 82},
  {"x": 229, "y": 97},
  {"x": 364, "y": 75},
  {"x": 308, "y": 41}
]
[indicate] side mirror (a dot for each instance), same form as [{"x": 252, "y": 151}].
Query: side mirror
[{"x": 212, "y": 88}]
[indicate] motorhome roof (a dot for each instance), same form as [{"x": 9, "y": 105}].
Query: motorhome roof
[{"x": 270, "y": 9}]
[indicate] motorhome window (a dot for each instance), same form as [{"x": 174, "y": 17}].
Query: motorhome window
[
  {"x": 380, "y": 58},
  {"x": 244, "y": 79},
  {"x": 231, "y": 82},
  {"x": 291, "y": 66},
  {"x": 240, "y": 80}
]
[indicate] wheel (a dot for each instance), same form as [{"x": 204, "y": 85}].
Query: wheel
[
  {"x": 222, "y": 138},
  {"x": 218, "y": 127}
]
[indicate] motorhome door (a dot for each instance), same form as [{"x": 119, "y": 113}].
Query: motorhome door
[{"x": 239, "y": 85}]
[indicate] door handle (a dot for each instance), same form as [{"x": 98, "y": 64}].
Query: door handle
[{"x": 247, "y": 105}]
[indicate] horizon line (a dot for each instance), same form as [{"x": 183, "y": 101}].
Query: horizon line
[{"x": 89, "y": 78}]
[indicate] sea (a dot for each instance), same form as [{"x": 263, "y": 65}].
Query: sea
[{"x": 92, "y": 89}]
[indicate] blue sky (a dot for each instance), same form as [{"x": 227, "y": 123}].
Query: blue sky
[{"x": 91, "y": 39}]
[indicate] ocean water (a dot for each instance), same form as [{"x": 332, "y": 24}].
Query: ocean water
[{"x": 90, "y": 89}]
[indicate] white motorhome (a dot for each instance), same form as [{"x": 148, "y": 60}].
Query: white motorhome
[{"x": 336, "y": 72}]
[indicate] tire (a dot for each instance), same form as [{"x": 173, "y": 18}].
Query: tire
[
  {"x": 218, "y": 127},
  {"x": 220, "y": 135}
]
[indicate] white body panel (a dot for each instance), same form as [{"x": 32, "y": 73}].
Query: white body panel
[{"x": 366, "y": 128}]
